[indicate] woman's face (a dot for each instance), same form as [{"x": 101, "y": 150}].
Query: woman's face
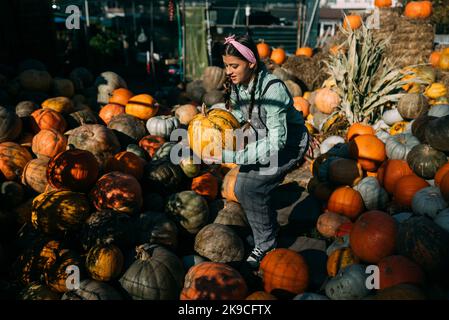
[{"x": 238, "y": 70}]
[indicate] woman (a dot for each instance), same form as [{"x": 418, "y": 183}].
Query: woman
[{"x": 276, "y": 133}]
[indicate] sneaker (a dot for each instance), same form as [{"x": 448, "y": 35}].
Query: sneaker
[{"x": 255, "y": 257}]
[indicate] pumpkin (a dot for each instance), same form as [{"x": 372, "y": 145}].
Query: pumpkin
[
  {"x": 37, "y": 291},
  {"x": 368, "y": 150},
  {"x": 117, "y": 191},
  {"x": 185, "y": 113},
  {"x": 310, "y": 296},
  {"x": 104, "y": 262},
  {"x": 35, "y": 174},
  {"x": 219, "y": 243},
  {"x": 328, "y": 143},
  {"x": 436, "y": 90},
  {"x": 437, "y": 133},
  {"x": 358, "y": 129},
  {"x": 206, "y": 185},
  {"x": 434, "y": 59},
  {"x": 263, "y": 50},
  {"x": 326, "y": 100},
  {"x": 406, "y": 187},
  {"x": 10, "y": 125},
  {"x": 59, "y": 104},
  {"x": 156, "y": 228},
  {"x": 441, "y": 173},
  {"x": 402, "y": 291},
  {"x": 352, "y": 22},
  {"x": 82, "y": 78},
  {"x": 120, "y": 96},
  {"x": 55, "y": 275},
  {"x": 301, "y": 105},
  {"x": 345, "y": 172},
  {"x": 373, "y": 236},
  {"x": 157, "y": 274},
  {"x": 442, "y": 219},
  {"x": 151, "y": 144},
  {"x": 210, "y": 131},
  {"x": 439, "y": 110},
  {"x": 47, "y": 119},
  {"x": 373, "y": 195},
  {"x": 425, "y": 160},
  {"x": 126, "y": 162},
  {"x": 24, "y": 109},
  {"x": 76, "y": 170},
  {"x": 232, "y": 215},
  {"x": 189, "y": 210},
  {"x": 394, "y": 270},
  {"x": 164, "y": 152},
  {"x": 192, "y": 260},
  {"x": 109, "y": 111},
  {"x": 12, "y": 195},
  {"x": 398, "y": 146},
  {"x": 304, "y": 51},
  {"x": 392, "y": 116},
  {"x": 293, "y": 88},
  {"x": 340, "y": 259},
  {"x": 418, "y": 9},
  {"x": 164, "y": 177},
  {"x": 55, "y": 212},
  {"x": 35, "y": 80},
  {"x": 278, "y": 56},
  {"x": 162, "y": 125},
  {"x": 107, "y": 227},
  {"x": 412, "y": 105},
  {"x": 348, "y": 284},
  {"x": 96, "y": 138},
  {"x": 63, "y": 87},
  {"x": 394, "y": 170},
  {"x": 228, "y": 185},
  {"x": 213, "y": 78},
  {"x": 92, "y": 290},
  {"x": 423, "y": 241},
  {"x": 346, "y": 201},
  {"x": 13, "y": 159},
  {"x": 138, "y": 151},
  {"x": 444, "y": 62},
  {"x": 398, "y": 127},
  {"x": 260, "y": 295},
  {"x": 142, "y": 106},
  {"x": 213, "y": 281},
  {"x": 128, "y": 129},
  {"x": 48, "y": 143},
  {"x": 382, "y": 3},
  {"x": 190, "y": 167},
  {"x": 105, "y": 84},
  {"x": 328, "y": 223},
  {"x": 81, "y": 117},
  {"x": 419, "y": 126},
  {"x": 284, "y": 270},
  {"x": 444, "y": 187}
]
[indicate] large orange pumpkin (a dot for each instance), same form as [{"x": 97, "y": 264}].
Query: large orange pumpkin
[
  {"x": 441, "y": 173},
  {"x": 394, "y": 169},
  {"x": 206, "y": 185},
  {"x": 304, "y": 51},
  {"x": 352, "y": 22},
  {"x": 346, "y": 201},
  {"x": 47, "y": 119},
  {"x": 373, "y": 236},
  {"x": 126, "y": 162},
  {"x": 394, "y": 270},
  {"x": 278, "y": 56},
  {"x": 121, "y": 96},
  {"x": 418, "y": 9},
  {"x": 382, "y": 3},
  {"x": 48, "y": 143},
  {"x": 264, "y": 50},
  {"x": 368, "y": 150},
  {"x": 406, "y": 187},
  {"x": 326, "y": 100},
  {"x": 284, "y": 270},
  {"x": 109, "y": 111},
  {"x": 301, "y": 105},
  {"x": 142, "y": 106},
  {"x": 434, "y": 59},
  {"x": 358, "y": 129}
]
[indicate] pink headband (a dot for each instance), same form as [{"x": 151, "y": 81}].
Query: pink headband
[{"x": 244, "y": 50}]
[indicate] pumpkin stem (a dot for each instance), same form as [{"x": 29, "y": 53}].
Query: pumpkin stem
[
  {"x": 144, "y": 252},
  {"x": 203, "y": 109}
]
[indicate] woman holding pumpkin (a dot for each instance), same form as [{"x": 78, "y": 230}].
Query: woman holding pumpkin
[{"x": 276, "y": 133}]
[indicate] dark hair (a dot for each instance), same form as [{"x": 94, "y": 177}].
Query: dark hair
[{"x": 230, "y": 50}]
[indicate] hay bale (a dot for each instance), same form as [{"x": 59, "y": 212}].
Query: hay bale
[{"x": 311, "y": 72}]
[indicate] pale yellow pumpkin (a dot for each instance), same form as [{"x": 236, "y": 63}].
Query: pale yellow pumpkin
[{"x": 436, "y": 90}]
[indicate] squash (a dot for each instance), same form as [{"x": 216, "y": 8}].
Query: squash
[
  {"x": 151, "y": 144},
  {"x": 142, "y": 106},
  {"x": 394, "y": 170},
  {"x": 162, "y": 125},
  {"x": 228, "y": 185},
  {"x": 292, "y": 277},
  {"x": 126, "y": 162},
  {"x": 105, "y": 84},
  {"x": 399, "y": 127},
  {"x": 436, "y": 90},
  {"x": 59, "y": 104},
  {"x": 368, "y": 150},
  {"x": 48, "y": 143},
  {"x": 92, "y": 290},
  {"x": 278, "y": 56},
  {"x": 439, "y": 110},
  {"x": 163, "y": 177},
  {"x": 373, "y": 195},
  {"x": 232, "y": 215},
  {"x": 206, "y": 185},
  {"x": 441, "y": 173},
  {"x": 358, "y": 129},
  {"x": 326, "y": 100},
  {"x": 425, "y": 160},
  {"x": 352, "y": 22},
  {"x": 219, "y": 243},
  {"x": 398, "y": 146},
  {"x": 340, "y": 259},
  {"x": 138, "y": 151},
  {"x": 13, "y": 159},
  {"x": 428, "y": 202},
  {"x": 157, "y": 274},
  {"x": 444, "y": 62},
  {"x": 10, "y": 125},
  {"x": 346, "y": 201},
  {"x": 109, "y": 111},
  {"x": 418, "y": 9},
  {"x": 328, "y": 143},
  {"x": 120, "y": 97},
  {"x": 185, "y": 113},
  {"x": 128, "y": 129},
  {"x": 419, "y": 127},
  {"x": 190, "y": 167},
  {"x": 392, "y": 116},
  {"x": 373, "y": 236},
  {"x": 56, "y": 274},
  {"x": 412, "y": 105},
  {"x": 156, "y": 228},
  {"x": 24, "y": 109},
  {"x": 263, "y": 50},
  {"x": 328, "y": 223},
  {"x": 104, "y": 262},
  {"x": 304, "y": 51},
  {"x": 434, "y": 58},
  {"x": 406, "y": 187},
  {"x": 35, "y": 174},
  {"x": 348, "y": 284},
  {"x": 213, "y": 281},
  {"x": 437, "y": 133},
  {"x": 47, "y": 119},
  {"x": 81, "y": 117},
  {"x": 345, "y": 172},
  {"x": 301, "y": 105}
]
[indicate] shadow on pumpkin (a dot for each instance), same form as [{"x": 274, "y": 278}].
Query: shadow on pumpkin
[{"x": 208, "y": 288}]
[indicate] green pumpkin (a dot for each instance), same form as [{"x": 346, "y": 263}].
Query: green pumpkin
[
  {"x": 127, "y": 128},
  {"x": 419, "y": 127},
  {"x": 10, "y": 125},
  {"x": 425, "y": 160},
  {"x": 38, "y": 291},
  {"x": 348, "y": 284},
  {"x": 190, "y": 168},
  {"x": 92, "y": 290},
  {"x": 437, "y": 133},
  {"x": 164, "y": 177},
  {"x": 399, "y": 145},
  {"x": 138, "y": 151},
  {"x": 157, "y": 228},
  {"x": 413, "y": 105},
  {"x": 189, "y": 209},
  {"x": 163, "y": 153},
  {"x": 162, "y": 125}
]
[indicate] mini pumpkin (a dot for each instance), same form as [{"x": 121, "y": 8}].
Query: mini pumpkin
[
  {"x": 328, "y": 223},
  {"x": 340, "y": 259},
  {"x": 48, "y": 119},
  {"x": 104, "y": 262},
  {"x": 109, "y": 111},
  {"x": 59, "y": 104},
  {"x": 326, "y": 100},
  {"x": 162, "y": 125},
  {"x": 142, "y": 106},
  {"x": 48, "y": 143}
]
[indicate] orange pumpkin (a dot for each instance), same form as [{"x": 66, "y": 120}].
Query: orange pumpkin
[
  {"x": 109, "y": 111},
  {"x": 206, "y": 185},
  {"x": 302, "y": 105},
  {"x": 444, "y": 62},
  {"x": 328, "y": 223},
  {"x": 48, "y": 143},
  {"x": 373, "y": 236},
  {"x": 260, "y": 295},
  {"x": 121, "y": 96},
  {"x": 434, "y": 59},
  {"x": 142, "y": 106},
  {"x": 47, "y": 119},
  {"x": 13, "y": 159},
  {"x": 346, "y": 201},
  {"x": 368, "y": 150},
  {"x": 358, "y": 129},
  {"x": 35, "y": 174},
  {"x": 444, "y": 187},
  {"x": 336, "y": 50},
  {"x": 394, "y": 169},
  {"x": 394, "y": 270},
  {"x": 284, "y": 269},
  {"x": 352, "y": 22},
  {"x": 263, "y": 49},
  {"x": 340, "y": 259},
  {"x": 441, "y": 173},
  {"x": 126, "y": 162},
  {"x": 418, "y": 9},
  {"x": 326, "y": 100},
  {"x": 304, "y": 51},
  {"x": 227, "y": 187},
  {"x": 406, "y": 187},
  {"x": 278, "y": 56},
  {"x": 151, "y": 144},
  {"x": 382, "y": 3}
]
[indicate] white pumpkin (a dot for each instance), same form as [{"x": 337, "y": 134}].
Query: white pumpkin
[
  {"x": 373, "y": 195},
  {"x": 348, "y": 284},
  {"x": 442, "y": 219},
  {"x": 399, "y": 145},
  {"x": 428, "y": 201},
  {"x": 162, "y": 125},
  {"x": 382, "y": 135},
  {"x": 329, "y": 142},
  {"x": 439, "y": 110},
  {"x": 381, "y": 125},
  {"x": 392, "y": 116}
]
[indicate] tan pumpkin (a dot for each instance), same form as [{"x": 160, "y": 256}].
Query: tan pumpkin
[
  {"x": 398, "y": 127},
  {"x": 48, "y": 143},
  {"x": 35, "y": 174},
  {"x": 326, "y": 100},
  {"x": 13, "y": 159},
  {"x": 328, "y": 223},
  {"x": 185, "y": 113}
]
